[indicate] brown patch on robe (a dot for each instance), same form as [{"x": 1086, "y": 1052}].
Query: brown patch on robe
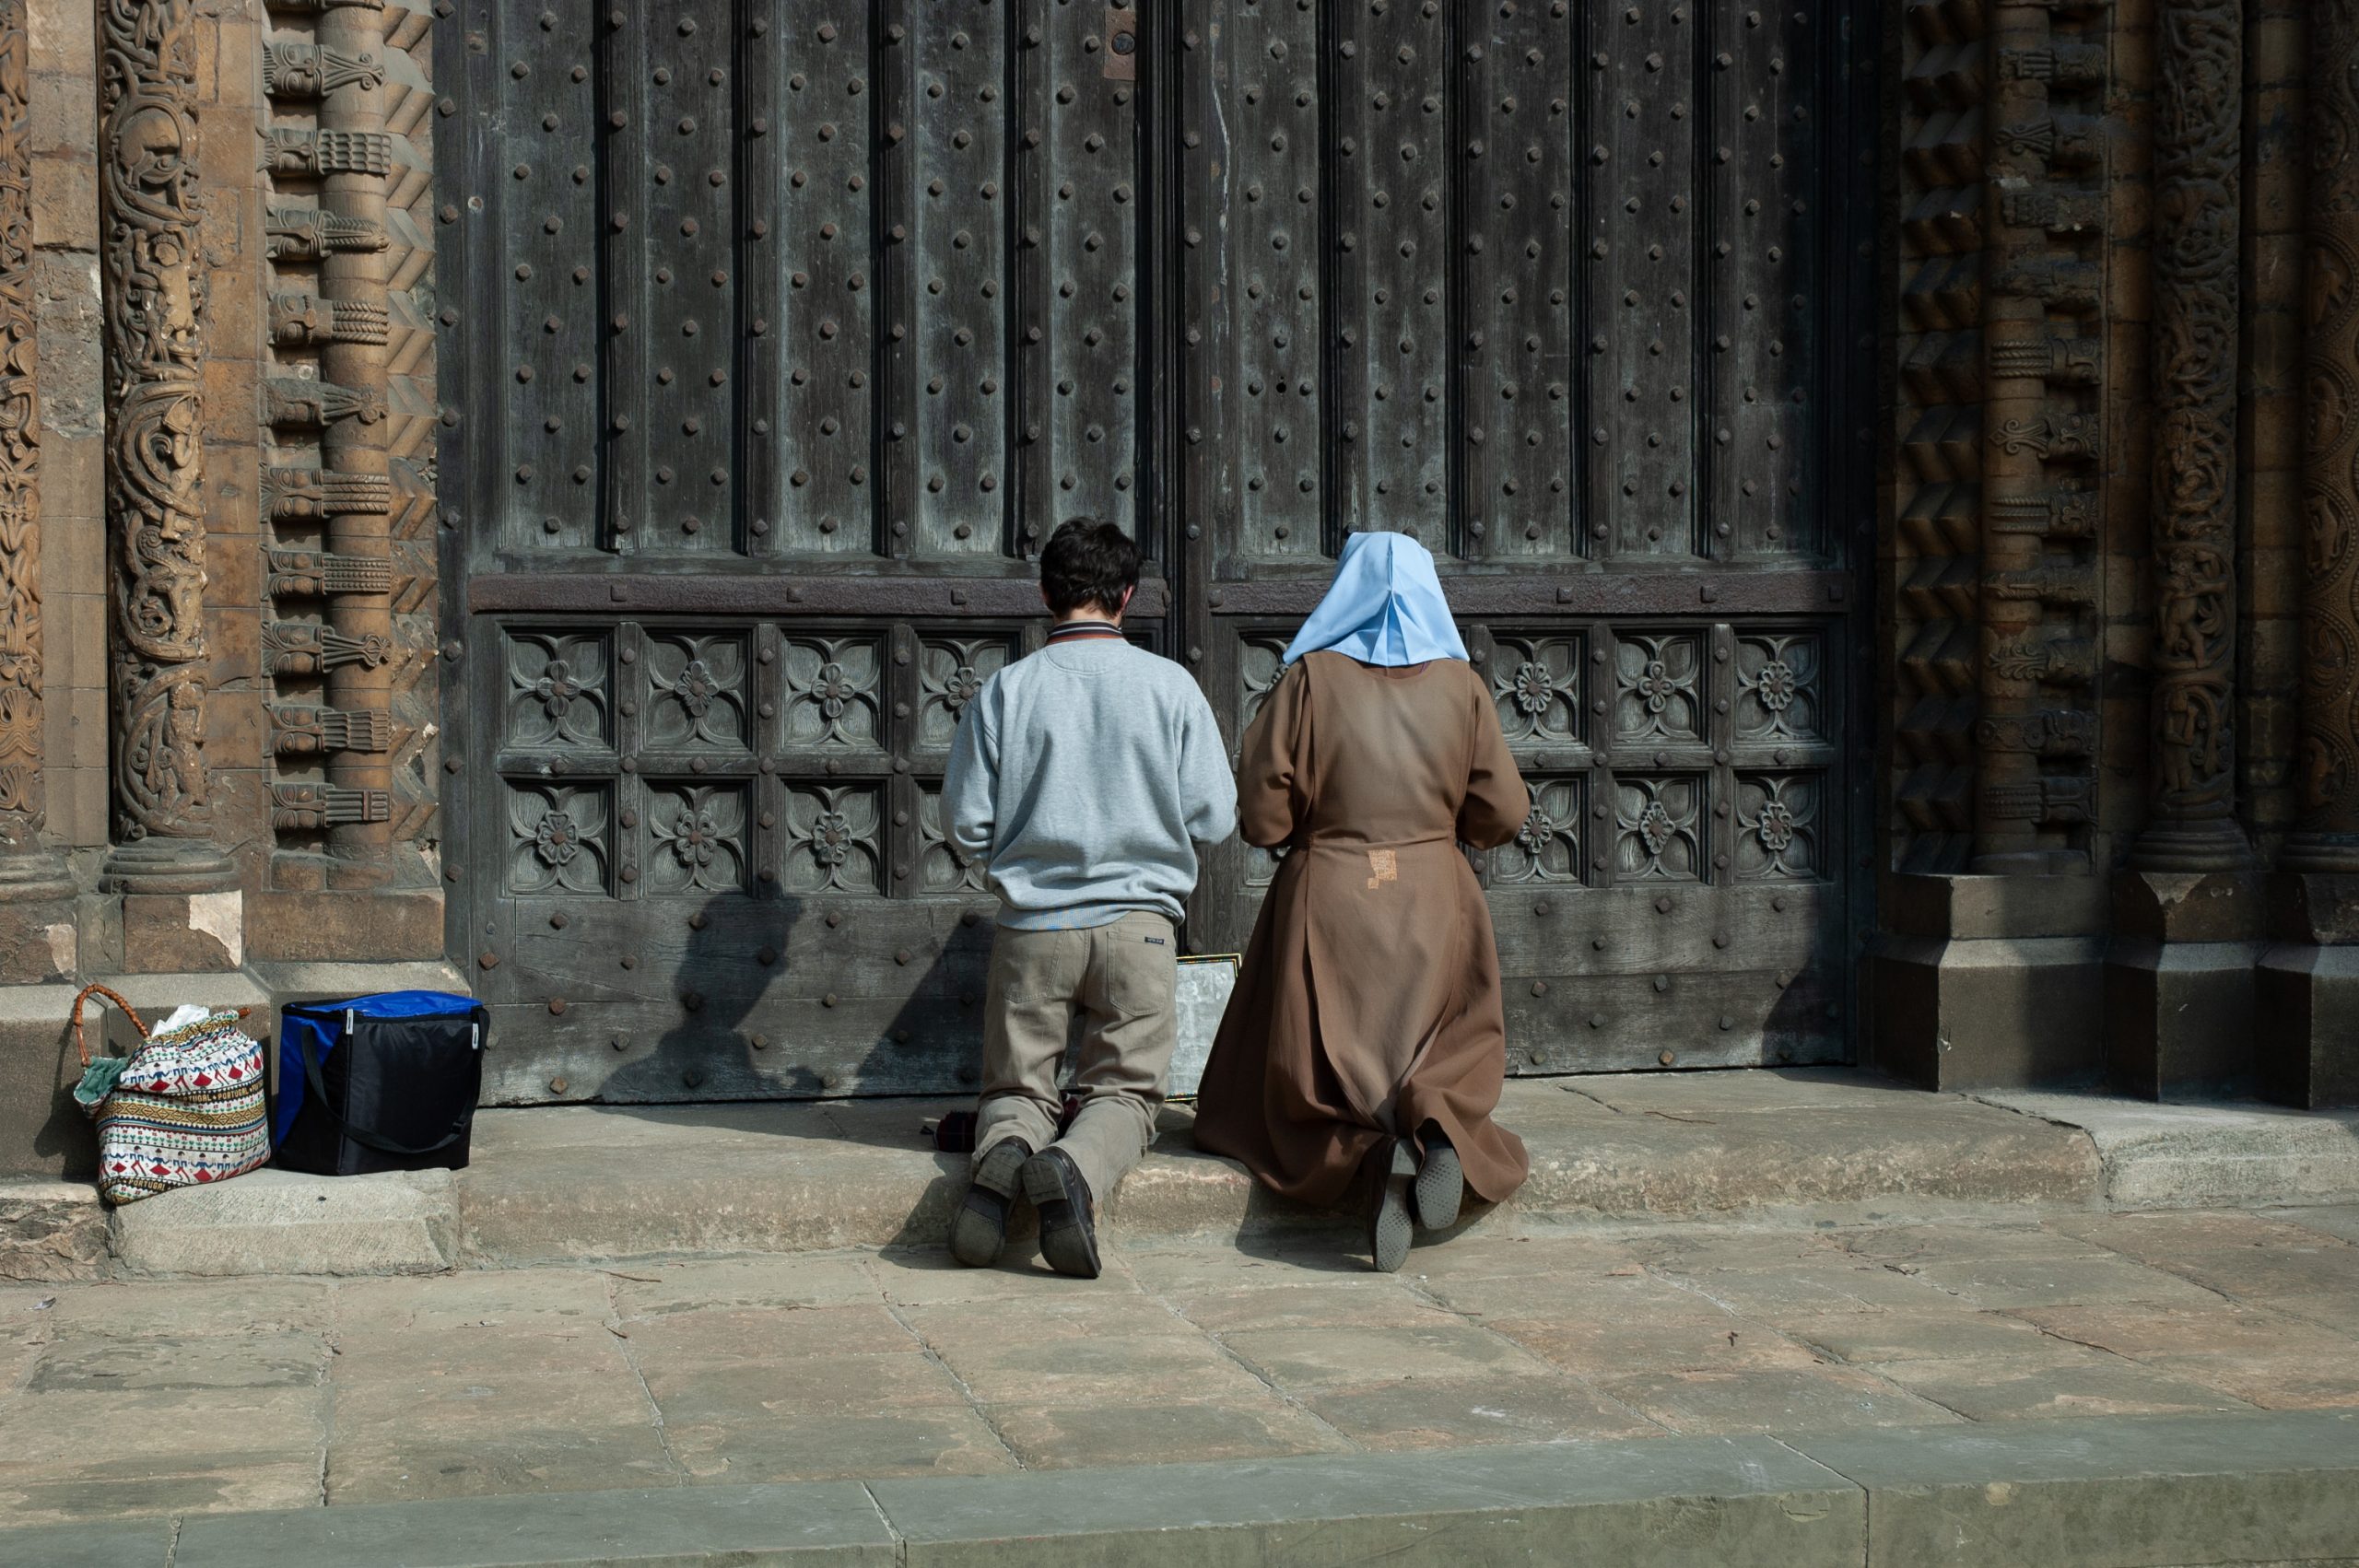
[{"x": 1369, "y": 1003}]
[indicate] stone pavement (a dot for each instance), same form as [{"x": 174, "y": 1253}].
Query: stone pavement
[{"x": 191, "y": 1398}]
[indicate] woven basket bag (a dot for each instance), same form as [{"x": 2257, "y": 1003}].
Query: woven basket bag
[{"x": 185, "y": 1109}]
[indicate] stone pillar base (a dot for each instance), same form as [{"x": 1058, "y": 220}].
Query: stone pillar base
[
  {"x": 167, "y": 865},
  {"x": 2306, "y": 1024},
  {"x": 1993, "y": 1013},
  {"x": 1988, "y": 982},
  {"x": 2178, "y": 982},
  {"x": 2306, "y": 990},
  {"x": 34, "y": 874},
  {"x": 166, "y": 933},
  {"x": 2178, "y": 1018}
]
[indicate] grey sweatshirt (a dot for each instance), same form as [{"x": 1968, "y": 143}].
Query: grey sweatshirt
[{"x": 1083, "y": 777}]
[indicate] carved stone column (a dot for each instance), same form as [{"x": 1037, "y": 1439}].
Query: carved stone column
[
  {"x": 154, "y": 283},
  {"x": 27, "y": 870},
  {"x": 354, "y": 157},
  {"x": 2198, "y": 153},
  {"x": 2327, "y": 763},
  {"x": 2308, "y": 985}
]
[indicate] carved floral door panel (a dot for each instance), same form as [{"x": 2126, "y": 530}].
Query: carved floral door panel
[{"x": 782, "y": 332}]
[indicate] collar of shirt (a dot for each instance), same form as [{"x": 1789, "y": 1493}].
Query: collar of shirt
[{"x": 1085, "y": 631}]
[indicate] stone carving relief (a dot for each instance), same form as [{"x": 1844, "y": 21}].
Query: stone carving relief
[
  {"x": 154, "y": 283},
  {"x": 2197, "y": 148},
  {"x": 22, "y": 800},
  {"x": 2327, "y": 764}
]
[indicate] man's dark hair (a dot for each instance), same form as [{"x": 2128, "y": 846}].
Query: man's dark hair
[{"x": 1089, "y": 562}]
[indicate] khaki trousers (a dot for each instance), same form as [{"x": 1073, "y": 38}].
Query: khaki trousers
[{"x": 1119, "y": 977}]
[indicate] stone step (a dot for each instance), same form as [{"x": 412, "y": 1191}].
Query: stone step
[
  {"x": 603, "y": 1183},
  {"x": 2134, "y": 1493}
]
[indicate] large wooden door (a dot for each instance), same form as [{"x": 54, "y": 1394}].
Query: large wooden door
[
  {"x": 1570, "y": 291},
  {"x": 786, "y": 330}
]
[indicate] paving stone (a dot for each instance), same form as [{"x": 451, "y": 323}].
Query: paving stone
[
  {"x": 2108, "y": 1493},
  {"x": 735, "y": 1333},
  {"x": 1768, "y": 1399},
  {"x": 555, "y": 1300},
  {"x": 444, "y": 1462},
  {"x": 1443, "y": 1413},
  {"x": 1696, "y": 1504},
  {"x": 489, "y": 1382},
  {"x": 98, "y": 1492},
  {"x": 1163, "y": 1432},
  {"x": 1196, "y": 1269},
  {"x": 2155, "y": 1238},
  {"x": 1861, "y": 1337},
  {"x": 912, "y": 1441},
  {"x": 758, "y": 1390},
  {"x": 2257, "y": 1273},
  {"x": 257, "y": 1304},
  {"x": 1812, "y": 1290},
  {"x": 2335, "y": 1219},
  {"x": 2272, "y": 1382},
  {"x": 1543, "y": 1292},
  {"x": 2145, "y": 1330},
  {"x": 1925, "y": 1244},
  {"x": 1383, "y": 1304},
  {"x": 1101, "y": 1369},
  {"x": 175, "y": 1364},
  {"x": 911, "y": 1277},
  {"x": 199, "y": 1426},
  {"x": 837, "y": 1524},
  {"x": 2064, "y": 1381},
  {"x": 1698, "y": 1249},
  {"x": 797, "y": 1279},
  {"x": 1492, "y": 1257},
  {"x": 2337, "y": 1310},
  {"x": 147, "y": 1544},
  {"x": 1713, "y": 1339},
  {"x": 978, "y": 1327},
  {"x": 1999, "y": 1282},
  {"x": 1301, "y": 1359}
]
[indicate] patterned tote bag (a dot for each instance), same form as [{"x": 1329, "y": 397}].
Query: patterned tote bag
[{"x": 184, "y": 1109}]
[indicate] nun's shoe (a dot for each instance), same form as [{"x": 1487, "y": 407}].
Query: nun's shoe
[
  {"x": 980, "y": 1227},
  {"x": 1068, "y": 1216},
  {"x": 1441, "y": 1183},
  {"x": 1394, "y": 1168}
]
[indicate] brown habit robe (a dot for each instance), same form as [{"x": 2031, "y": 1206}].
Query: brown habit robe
[{"x": 1369, "y": 1003}]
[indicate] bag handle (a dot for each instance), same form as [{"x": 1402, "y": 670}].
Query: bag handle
[
  {"x": 128, "y": 1012},
  {"x": 115, "y": 997},
  {"x": 382, "y": 1145}
]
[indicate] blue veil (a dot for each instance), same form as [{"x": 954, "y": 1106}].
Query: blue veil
[{"x": 1385, "y": 606}]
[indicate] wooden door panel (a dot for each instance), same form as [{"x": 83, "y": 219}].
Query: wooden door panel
[{"x": 783, "y": 335}]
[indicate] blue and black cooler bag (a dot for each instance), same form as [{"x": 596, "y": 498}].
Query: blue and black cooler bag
[{"x": 383, "y": 1082}]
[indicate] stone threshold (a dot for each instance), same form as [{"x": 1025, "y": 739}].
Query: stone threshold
[
  {"x": 593, "y": 1184},
  {"x": 596, "y": 1184},
  {"x": 2126, "y": 1492}
]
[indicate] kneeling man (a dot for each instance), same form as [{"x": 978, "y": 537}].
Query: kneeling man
[{"x": 1083, "y": 778}]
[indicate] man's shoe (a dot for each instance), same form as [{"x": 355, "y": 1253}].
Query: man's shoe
[
  {"x": 1441, "y": 1183},
  {"x": 1068, "y": 1215},
  {"x": 1389, "y": 1226},
  {"x": 980, "y": 1227}
]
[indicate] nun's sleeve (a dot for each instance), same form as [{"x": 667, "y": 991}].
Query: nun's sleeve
[
  {"x": 1270, "y": 802},
  {"x": 1498, "y": 803}
]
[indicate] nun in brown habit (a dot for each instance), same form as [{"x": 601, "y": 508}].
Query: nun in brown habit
[{"x": 1366, "y": 1045}]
